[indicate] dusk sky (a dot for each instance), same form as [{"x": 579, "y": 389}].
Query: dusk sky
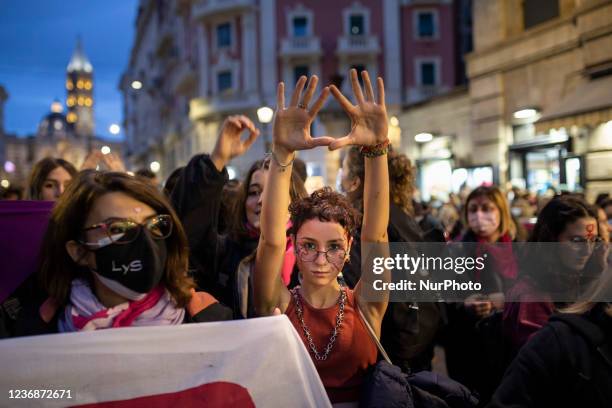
[{"x": 37, "y": 38}]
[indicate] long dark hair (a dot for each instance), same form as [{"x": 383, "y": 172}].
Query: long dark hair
[
  {"x": 557, "y": 215},
  {"x": 41, "y": 171},
  {"x": 238, "y": 224},
  {"x": 67, "y": 221}
]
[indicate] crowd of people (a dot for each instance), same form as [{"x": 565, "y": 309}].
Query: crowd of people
[{"x": 121, "y": 251}]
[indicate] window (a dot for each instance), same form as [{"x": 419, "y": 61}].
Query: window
[
  {"x": 224, "y": 35},
  {"x": 426, "y": 24},
  {"x": 539, "y": 11},
  {"x": 224, "y": 81},
  {"x": 428, "y": 74},
  {"x": 300, "y": 70},
  {"x": 300, "y": 26},
  {"x": 356, "y": 24}
]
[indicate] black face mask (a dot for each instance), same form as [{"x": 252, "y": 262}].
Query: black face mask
[{"x": 138, "y": 265}]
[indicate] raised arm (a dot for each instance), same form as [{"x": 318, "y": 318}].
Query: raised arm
[
  {"x": 369, "y": 129},
  {"x": 291, "y": 132}
]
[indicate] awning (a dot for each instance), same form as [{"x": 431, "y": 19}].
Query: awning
[{"x": 590, "y": 104}]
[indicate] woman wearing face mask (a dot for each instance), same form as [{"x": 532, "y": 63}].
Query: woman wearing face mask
[
  {"x": 325, "y": 313},
  {"x": 573, "y": 265},
  {"x": 49, "y": 178},
  {"x": 474, "y": 355},
  {"x": 222, "y": 263},
  {"x": 115, "y": 255}
]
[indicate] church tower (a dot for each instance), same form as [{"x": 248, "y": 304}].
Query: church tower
[{"x": 79, "y": 88}]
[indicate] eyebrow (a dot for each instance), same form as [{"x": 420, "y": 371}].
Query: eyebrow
[
  {"x": 331, "y": 241},
  {"x": 255, "y": 185}
]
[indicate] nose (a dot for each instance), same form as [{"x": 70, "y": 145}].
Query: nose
[
  {"x": 260, "y": 199},
  {"x": 59, "y": 190},
  {"x": 321, "y": 258}
]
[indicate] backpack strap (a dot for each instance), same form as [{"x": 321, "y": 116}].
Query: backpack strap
[{"x": 374, "y": 337}]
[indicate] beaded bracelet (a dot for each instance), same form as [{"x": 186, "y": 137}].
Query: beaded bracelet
[{"x": 375, "y": 150}]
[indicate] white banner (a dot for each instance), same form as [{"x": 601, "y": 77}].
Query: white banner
[{"x": 256, "y": 362}]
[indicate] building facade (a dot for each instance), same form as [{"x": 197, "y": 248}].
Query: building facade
[
  {"x": 541, "y": 90},
  {"x": 195, "y": 62}
]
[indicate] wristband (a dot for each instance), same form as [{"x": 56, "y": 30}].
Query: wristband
[{"x": 375, "y": 150}]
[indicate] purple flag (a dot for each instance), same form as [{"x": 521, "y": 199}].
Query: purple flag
[{"x": 22, "y": 226}]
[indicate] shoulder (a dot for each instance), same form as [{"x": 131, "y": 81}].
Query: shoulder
[{"x": 203, "y": 307}]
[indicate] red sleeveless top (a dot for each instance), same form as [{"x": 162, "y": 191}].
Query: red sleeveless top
[{"x": 343, "y": 372}]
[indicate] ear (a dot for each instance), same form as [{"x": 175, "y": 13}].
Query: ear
[
  {"x": 348, "y": 249},
  {"x": 77, "y": 252}
]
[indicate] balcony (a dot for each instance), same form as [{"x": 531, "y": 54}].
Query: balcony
[
  {"x": 296, "y": 47},
  {"x": 184, "y": 77},
  {"x": 205, "y": 9},
  {"x": 358, "y": 45},
  {"x": 422, "y": 93},
  {"x": 201, "y": 108}
]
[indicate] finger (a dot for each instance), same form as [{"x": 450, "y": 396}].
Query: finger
[
  {"x": 320, "y": 141},
  {"x": 297, "y": 92},
  {"x": 253, "y": 135},
  {"x": 381, "y": 91},
  {"x": 247, "y": 123},
  {"x": 233, "y": 120},
  {"x": 367, "y": 86},
  {"x": 356, "y": 87},
  {"x": 319, "y": 102},
  {"x": 280, "y": 96},
  {"x": 310, "y": 90},
  {"x": 345, "y": 103},
  {"x": 340, "y": 143}
]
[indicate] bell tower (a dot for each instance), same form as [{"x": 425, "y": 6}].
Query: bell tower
[{"x": 79, "y": 89}]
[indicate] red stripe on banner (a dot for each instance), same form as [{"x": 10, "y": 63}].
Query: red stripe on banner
[{"x": 216, "y": 394}]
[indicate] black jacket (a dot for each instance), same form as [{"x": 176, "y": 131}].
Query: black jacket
[
  {"x": 214, "y": 258},
  {"x": 408, "y": 329},
  {"x": 568, "y": 363}
]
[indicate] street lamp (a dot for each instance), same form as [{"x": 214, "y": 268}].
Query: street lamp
[
  {"x": 105, "y": 150},
  {"x": 136, "y": 84},
  {"x": 423, "y": 137},
  {"x": 155, "y": 166},
  {"x": 114, "y": 129},
  {"x": 265, "y": 115}
]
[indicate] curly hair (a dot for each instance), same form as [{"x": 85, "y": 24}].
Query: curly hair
[
  {"x": 324, "y": 205},
  {"x": 401, "y": 179}
]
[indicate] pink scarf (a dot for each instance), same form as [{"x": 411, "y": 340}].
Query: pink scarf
[
  {"x": 289, "y": 260},
  {"x": 85, "y": 312}
]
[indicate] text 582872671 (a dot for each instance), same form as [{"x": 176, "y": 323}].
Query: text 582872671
[{"x": 40, "y": 394}]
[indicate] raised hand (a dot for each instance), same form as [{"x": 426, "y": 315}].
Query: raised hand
[
  {"x": 292, "y": 124},
  {"x": 92, "y": 160},
  {"x": 229, "y": 143},
  {"x": 369, "y": 122},
  {"x": 113, "y": 162}
]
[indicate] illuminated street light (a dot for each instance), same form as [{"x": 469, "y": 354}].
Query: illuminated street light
[
  {"x": 114, "y": 129},
  {"x": 394, "y": 121},
  {"x": 9, "y": 166},
  {"x": 5, "y": 183},
  {"x": 529, "y": 113},
  {"x": 136, "y": 84},
  {"x": 265, "y": 114},
  {"x": 423, "y": 137},
  {"x": 155, "y": 166},
  {"x": 105, "y": 150}
]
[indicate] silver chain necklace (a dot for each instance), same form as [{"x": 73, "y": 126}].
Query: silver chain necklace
[{"x": 339, "y": 318}]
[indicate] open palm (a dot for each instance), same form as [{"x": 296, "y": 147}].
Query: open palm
[
  {"x": 292, "y": 124},
  {"x": 369, "y": 122}
]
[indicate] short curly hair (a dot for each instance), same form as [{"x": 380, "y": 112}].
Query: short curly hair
[{"x": 326, "y": 205}]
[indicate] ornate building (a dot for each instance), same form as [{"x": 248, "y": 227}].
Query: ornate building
[
  {"x": 194, "y": 62},
  {"x": 67, "y": 135}
]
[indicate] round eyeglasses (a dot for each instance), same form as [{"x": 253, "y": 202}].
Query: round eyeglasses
[
  {"x": 124, "y": 231},
  {"x": 308, "y": 253}
]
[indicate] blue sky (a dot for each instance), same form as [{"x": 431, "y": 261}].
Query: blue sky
[{"x": 37, "y": 38}]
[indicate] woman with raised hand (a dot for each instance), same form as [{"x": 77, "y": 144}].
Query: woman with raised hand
[
  {"x": 221, "y": 263},
  {"x": 322, "y": 311}
]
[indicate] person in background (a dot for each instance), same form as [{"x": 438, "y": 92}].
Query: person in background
[
  {"x": 147, "y": 175},
  {"x": 49, "y": 179},
  {"x": 108, "y": 224},
  {"x": 172, "y": 180},
  {"x": 13, "y": 193},
  {"x": 222, "y": 263},
  {"x": 299, "y": 166}
]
